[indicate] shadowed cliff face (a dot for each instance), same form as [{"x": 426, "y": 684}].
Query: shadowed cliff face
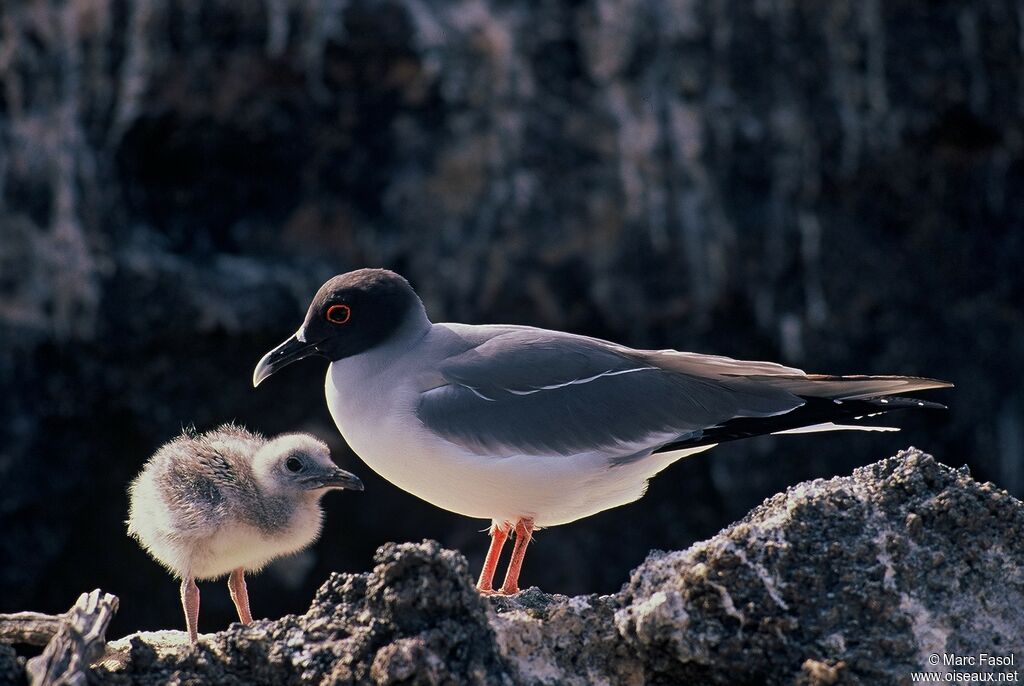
[{"x": 838, "y": 186}]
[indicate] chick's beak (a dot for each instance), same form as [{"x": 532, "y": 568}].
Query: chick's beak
[
  {"x": 336, "y": 478},
  {"x": 283, "y": 355}
]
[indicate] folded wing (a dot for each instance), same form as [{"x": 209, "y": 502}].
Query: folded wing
[{"x": 529, "y": 391}]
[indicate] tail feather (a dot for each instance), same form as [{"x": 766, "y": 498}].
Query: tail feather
[
  {"x": 832, "y": 426},
  {"x": 850, "y": 387},
  {"x": 790, "y": 379},
  {"x": 829, "y": 403}
]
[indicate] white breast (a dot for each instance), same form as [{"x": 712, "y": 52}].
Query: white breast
[
  {"x": 247, "y": 547},
  {"x": 379, "y": 423}
]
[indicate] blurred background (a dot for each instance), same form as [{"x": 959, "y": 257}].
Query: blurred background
[{"x": 833, "y": 185}]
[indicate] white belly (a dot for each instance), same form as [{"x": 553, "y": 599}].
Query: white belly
[
  {"x": 380, "y": 425},
  {"x": 244, "y": 546}
]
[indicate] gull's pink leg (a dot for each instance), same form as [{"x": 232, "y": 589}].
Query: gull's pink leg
[
  {"x": 190, "y": 601},
  {"x": 240, "y": 595},
  {"x": 498, "y": 537},
  {"x": 524, "y": 531}
]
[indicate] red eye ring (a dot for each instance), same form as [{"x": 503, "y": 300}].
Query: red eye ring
[{"x": 338, "y": 314}]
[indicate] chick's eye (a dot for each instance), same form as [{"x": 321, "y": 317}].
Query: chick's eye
[
  {"x": 293, "y": 464},
  {"x": 338, "y": 314}
]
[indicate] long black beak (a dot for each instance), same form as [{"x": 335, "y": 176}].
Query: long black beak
[
  {"x": 283, "y": 355},
  {"x": 338, "y": 478}
]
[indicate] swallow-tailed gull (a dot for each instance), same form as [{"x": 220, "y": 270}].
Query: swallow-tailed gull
[{"x": 530, "y": 428}]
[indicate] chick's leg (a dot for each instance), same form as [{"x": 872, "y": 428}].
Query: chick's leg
[
  {"x": 190, "y": 602},
  {"x": 524, "y": 532},
  {"x": 499, "y": 534},
  {"x": 240, "y": 595}
]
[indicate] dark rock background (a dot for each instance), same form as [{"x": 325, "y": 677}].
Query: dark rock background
[{"x": 838, "y": 186}]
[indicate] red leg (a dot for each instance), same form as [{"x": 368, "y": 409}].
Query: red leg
[
  {"x": 524, "y": 531},
  {"x": 240, "y": 595},
  {"x": 190, "y": 601},
  {"x": 498, "y": 537}
]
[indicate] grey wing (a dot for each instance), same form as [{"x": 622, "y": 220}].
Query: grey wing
[
  {"x": 197, "y": 486},
  {"x": 199, "y": 503},
  {"x": 531, "y": 391}
]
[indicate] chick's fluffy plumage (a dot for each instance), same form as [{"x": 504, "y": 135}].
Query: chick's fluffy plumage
[{"x": 199, "y": 509}]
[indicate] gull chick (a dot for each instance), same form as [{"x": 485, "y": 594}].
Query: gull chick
[
  {"x": 229, "y": 501},
  {"x": 529, "y": 427}
]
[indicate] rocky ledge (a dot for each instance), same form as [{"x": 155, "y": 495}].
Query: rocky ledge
[{"x": 858, "y": 579}]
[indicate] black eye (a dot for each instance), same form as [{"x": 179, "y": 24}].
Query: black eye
[
  {"x": 293, "y": 464},
  {"x": 338, "y": 314}
]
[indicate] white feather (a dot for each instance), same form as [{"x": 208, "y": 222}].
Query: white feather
[{"x": 832, "y": 426}]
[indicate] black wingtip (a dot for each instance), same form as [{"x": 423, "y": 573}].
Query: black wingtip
[{"x": 857, "y": 411}]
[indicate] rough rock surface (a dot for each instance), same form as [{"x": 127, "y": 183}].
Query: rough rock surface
[
  {"x": 414, "y": 618},
  {"x": 864, "y": 576},
  {"x": 854, "y": 580}
]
